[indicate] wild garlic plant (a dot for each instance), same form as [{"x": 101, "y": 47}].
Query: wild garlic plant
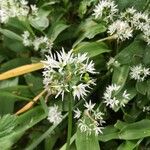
[{"x": 94, "y": 93}]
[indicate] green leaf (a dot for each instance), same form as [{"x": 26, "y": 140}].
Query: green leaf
[
  {"x": 120, "y": 75},
  {"x": 13, "y": 63},
  {"x": 56, "y": 29},
  {"x": 141, "y": 87},
  {"x": 129, "y": 145},
  {"x": 148, "y": 89},
  {"x": 131, "y": 53},
  {"x": 109, "y": 133},
  {"x": 92, "y": 48},
  {"x": 146, "y": 59},
  {"x": 84, "y": 4},
  {"x": 84, "y": 141},
  {"x": 93, "y": 29},
  {"x": 43, "y": 136},
  {"x": 39, "y": 23},
  {"x": 10, "y": 34},
  {"x": 136, "y": 130},
  {"x": 120, "y": 124},
  {"x": 8, "y": 83},
  {"x": 7, "y": 124},
  {"x": 25, "y": 121},
  {"x": 35, "y": 83},
  {"x": 7, "y": 101}
]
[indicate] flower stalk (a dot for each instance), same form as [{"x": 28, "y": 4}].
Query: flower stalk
[{"x": 69, "y": 121}]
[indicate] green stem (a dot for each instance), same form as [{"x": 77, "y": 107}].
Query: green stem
[
  {"x": 108, "y": 38},
  {"x": 69, "y": 121}
]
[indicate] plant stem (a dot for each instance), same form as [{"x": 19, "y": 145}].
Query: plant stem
[
  {"x": 69, "y": 121},
  {"x": 108, "y": 38}
]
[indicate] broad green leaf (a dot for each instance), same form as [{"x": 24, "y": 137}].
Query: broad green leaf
[
  {"x": 19, "y": 90},
  {"x": 84, "y": 141},
  {"x": 109, "y": 133},
  {"x": 39, "y": 23},
  {"x": 35, "y": 83},
  {"x": 120, "y": 75},
  {"x": 141, "y": 87},
  {"x": 7, "y": 124},
  {"x": 43, "y": 136},
  {"x": 7, "y": 101},
  {"x": 148, "y": 89},
  {"x": 13, "y": 63},
  {"x": 92, "y": 48},
  {"x": 129, "y": 145},
  {"x": 146, "y": 59},
  {"x": 10, "y": 34},
  {"x": 93, "y": 29},
  {"x": 25, "y": 122},
  {"x": 137, "y": 4},
  {"x": 131, "y": 53},
  {"x": 56, "y": 29},
  {"x": 8, "y": 83},
  {"x": 136, "y": 130},
  {"x": 84, "y": 4},
  {"x": 120, "y": 124}
]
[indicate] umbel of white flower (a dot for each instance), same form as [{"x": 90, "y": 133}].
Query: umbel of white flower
[
  {"x": 54, "y": 115},
  {"x": 105, "y": 10},
  {"x": 95, "y": 117},
  {"x": 110, "y": 98},
  {"x": 43, "y": 42},
  {"x": 120, "y": 29},
  {"x": 68, "y": 72},
  {"x": 139, "y": 72},
  {"x": 15, "y": 8}
]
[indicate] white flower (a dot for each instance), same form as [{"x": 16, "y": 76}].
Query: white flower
[
  {"x": 37, "y": 42},
  {"x": 120, "y": 29},
  {"x": 63, "y": 73},
  {"x": 98, "y": 130},
  {"x": 80, "y": 91},
  {"x": 146, "y": 33},
  {"x": 146, "y": 108},
  {"x": 98, "y": 115},
  {"x": 26, "y": 38},
  {"x": 126, "y": 95},
  {"x": 109, "y": 99},
  {"x": 105, "y": 10},
  {"x": 128, "y": 15},
  {"x": 89, "y": 105},
  {"x": 140, "y": 20},
  {"x": 77, "y": 113},
  {"x": 82, "y": 125},
  {"x": 54, "y": 115},
  {"x": 13, "y": 8},
  {"x": 139, "y": 72}
]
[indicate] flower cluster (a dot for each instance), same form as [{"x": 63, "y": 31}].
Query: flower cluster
[
  {"x": 54, "y": 115},
  {"x": 37, "y": 42},
  {"x": 15, "y": 8},
  {"x": 110, "y": 96},
  {"x": 138, "y": 21},
  {"x": 120, "y": 29},
  {"x": 105, "y": 10},
  {"x": 68, "y": 72},
  {"x": 146, "y": 109},
  {"x": 92, "y": 120},
  {"x": 123, "y": 25},
  {"x": 139, "y": 72}
]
